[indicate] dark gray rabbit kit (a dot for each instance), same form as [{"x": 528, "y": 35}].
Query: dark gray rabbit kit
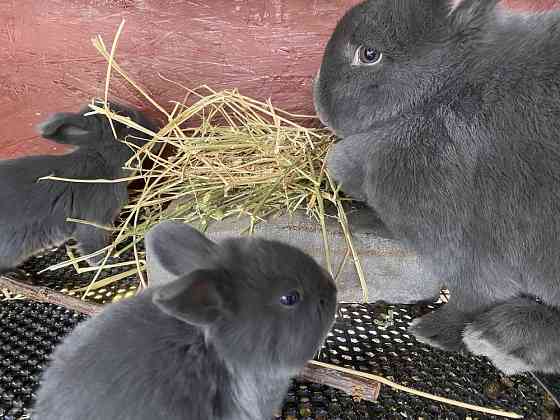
[
  {"x": 218, "y": 335},
  {"x": 33, "y": 213},
  {"x": 448, "y": 113}
]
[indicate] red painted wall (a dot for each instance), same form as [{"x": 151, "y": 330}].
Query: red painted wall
[
  {"x": 266, "y": 48},
  {"x": 535, "y": 5}
]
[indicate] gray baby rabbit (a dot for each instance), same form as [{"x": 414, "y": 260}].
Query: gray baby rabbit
[
  {"x": 33, "y": 213},
  {"x": 448, "y": 114},
  {"x": 218, "y": 335}
]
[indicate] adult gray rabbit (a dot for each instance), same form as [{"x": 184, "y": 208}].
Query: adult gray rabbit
[
  {"x": 448, "y": 114},
  {"x": 33, "y": 213},
  {"x": 218, "y": 335}
]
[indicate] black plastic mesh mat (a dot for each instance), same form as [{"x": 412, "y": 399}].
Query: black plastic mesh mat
[
  {"x": 370, "y": 338},
  {"x": 551, "y": 383},
  {"x": 67, "y": 280}
]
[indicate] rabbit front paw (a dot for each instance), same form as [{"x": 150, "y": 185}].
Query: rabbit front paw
[
  {"x": 519, "y": 335},
  {"x": 439, "y": 330},
  {"x": 492, "y": 345}
]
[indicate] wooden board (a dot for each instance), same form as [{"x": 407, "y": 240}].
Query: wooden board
[{"x": 266, "y": 48}]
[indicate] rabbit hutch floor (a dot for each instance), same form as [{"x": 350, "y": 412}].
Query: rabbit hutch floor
[{"x": 363, "y": 338}]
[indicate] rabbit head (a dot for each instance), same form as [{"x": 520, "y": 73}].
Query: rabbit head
[
  {"x": 391, "y": 57},
  {"x": 80, "y": 129},
  {"x": 262, "y": 304}
]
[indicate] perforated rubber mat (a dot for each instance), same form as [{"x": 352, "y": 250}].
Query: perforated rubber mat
[
  {"x": 370, "y": 338},
  {"x": 66, "y": 280}
]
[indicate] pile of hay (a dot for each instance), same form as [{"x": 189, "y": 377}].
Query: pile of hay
[{"x": 220, "y": 155}]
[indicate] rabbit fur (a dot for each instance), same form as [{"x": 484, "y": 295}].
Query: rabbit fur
[
  {"x": 33, "y": 212},
  {"x": 209, "y": 339},
  {"x": 447, "y": 114}
]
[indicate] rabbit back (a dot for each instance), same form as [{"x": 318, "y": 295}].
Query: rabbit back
[
  {"x": 166, "y": 368},
  {"x": 34, "y": 212}
]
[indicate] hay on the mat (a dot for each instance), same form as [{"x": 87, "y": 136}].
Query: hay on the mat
[{"x": 7, "y": 295}]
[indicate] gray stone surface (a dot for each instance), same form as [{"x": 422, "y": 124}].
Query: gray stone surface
[{"x": 392, "y": 272}]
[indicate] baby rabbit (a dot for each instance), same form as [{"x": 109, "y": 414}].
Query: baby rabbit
[
  {"x": 218, "y": 335},
  {"x": 33, "y": 213},
  {"x": 448, "y": 114}
]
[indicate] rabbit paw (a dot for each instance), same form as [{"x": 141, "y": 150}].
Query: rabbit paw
[
  {"x": 439, "y": 330},
  {"x": 503, "y": 353},
  {"x": 346, "y": 165}
]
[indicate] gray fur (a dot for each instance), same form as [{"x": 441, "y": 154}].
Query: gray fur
[
  {"x": 453, "y": 138},
  {"x": 163, "y": 266},
  {"x": 33, "y": 213},
  {"x": 214, "y": 343},
  {"x": 519, "y": 335}
]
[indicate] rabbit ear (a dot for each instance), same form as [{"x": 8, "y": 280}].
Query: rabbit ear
[
  {"x": 67, "y": 128},
  {"x": 200, "y": 298},
  {"x": 174, "y": 249}
]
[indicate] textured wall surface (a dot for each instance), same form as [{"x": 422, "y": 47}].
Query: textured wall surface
[{"x": 266, "y": 48}]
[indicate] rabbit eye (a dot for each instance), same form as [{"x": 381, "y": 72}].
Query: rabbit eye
[
  {"x": 367, "y": 56},
  {"x": 290, "y": 299}
]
